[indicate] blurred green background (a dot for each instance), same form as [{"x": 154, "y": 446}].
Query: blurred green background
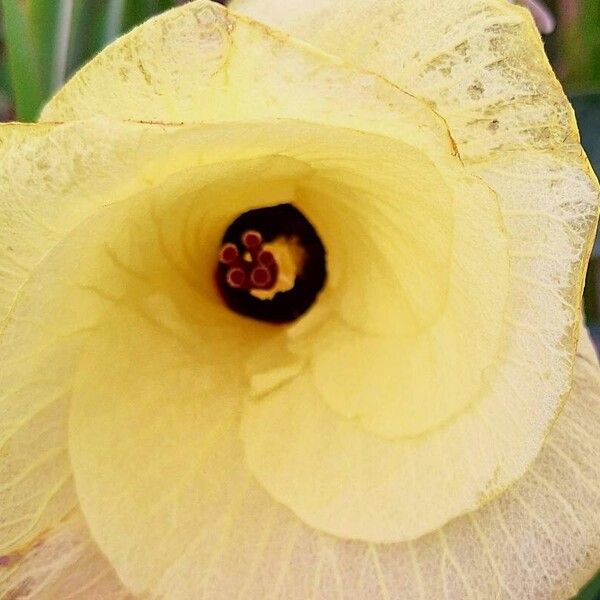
[{"x": 42, "y": 42}]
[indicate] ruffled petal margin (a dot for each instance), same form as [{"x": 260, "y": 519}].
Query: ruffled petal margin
[{"x": 538, "y": 540}]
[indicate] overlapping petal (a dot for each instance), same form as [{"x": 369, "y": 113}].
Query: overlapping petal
[
  {"x": 154, "y": 371},
  {"x": 36, "y": 485},
  {"x": 149, "y": 243},
  {"x": 482, "y": 66},
  {"x": 480, "y": 63},
  {"x": 55, "y": 178},
  {"x": 252, "y": 547},
  {"x": 63, "y": 563},
  {"x": 538, "y": 540}
]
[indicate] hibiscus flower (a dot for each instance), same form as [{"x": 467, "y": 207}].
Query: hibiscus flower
[{"x": 291, "y": 302}]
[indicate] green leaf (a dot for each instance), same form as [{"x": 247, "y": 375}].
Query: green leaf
[
  {"x": 590, "y": 32},
  {"x": 22, "y": 61},
  {"x": 578, "y": 58},
  {"x": 137, "y": 11},
  {"x": 113, "y": 20},
  {"x": 587, "y": 108},
  {"x": 4, "y": 78},
  {"x": 87, "y": 32},
  {"x": 592, "y": 590},
  {"x": 43, "y": 16}
]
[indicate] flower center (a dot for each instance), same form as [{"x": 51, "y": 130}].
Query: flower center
[
  {"x": 271, "y": 264},
  {"x": 253, "y": 269}
]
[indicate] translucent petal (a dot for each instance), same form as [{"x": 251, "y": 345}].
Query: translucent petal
[
  {"x": 467, "y": 59},
  {"x": 41, "y": 198},
  {"x": 413, "y": 377},
  {"x": 53, "y": 179},
  {"x": 143, "y": 231},
  {"x": 547, "y": 253},
  {"x": 65, "y": 293},
  {"x": 313, "y": 97},
  {"x": 170, "y": 226},
  {"x": 538, "y": 540},
  {"x": 183, "y": 375},
  {"x": 480, "y": 63},
  {"x": 64, "y": 563},
  {"x": 200, "y": 63}
]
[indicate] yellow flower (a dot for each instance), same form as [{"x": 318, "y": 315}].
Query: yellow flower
[{"x": 411, "y": 434}]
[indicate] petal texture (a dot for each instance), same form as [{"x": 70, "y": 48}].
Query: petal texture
[
  {"x": 149, "y": 240},
  {"x": 480, "y": 62},
  {"x": 195, "y": 445},
  {"x": 64, "y": 563},
  {"x": 200, "y": 63},
  {"x": 36, "y": 488},
  {"x": 229, "y": 42},
  {"x": 538, "y": 540},
  {"x": 53, "y": 179},
  {"x": 536, "y": 358}
]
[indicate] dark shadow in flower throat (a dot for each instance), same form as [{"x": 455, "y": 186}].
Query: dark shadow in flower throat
[{"x": 282, "y": 224}]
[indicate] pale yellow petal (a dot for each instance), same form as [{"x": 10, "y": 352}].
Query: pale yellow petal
[
  {"x": 538, "y": 541},
  {"x": 494, "y": 41},
  {"x": 151, "y": 438},
  {"x": 201, "y": 63},
  {"x": 412, "y": 46},
  {"x": 64, "y": 563},
  {"x": 515, "y": 548},
  {"x": 54, "y": 178},
  {"x": 45, "y": 193},
  {"x": 136, "y": 214},
  {"x": 480, "y": 63},
  {"x": 165, "y": 369},
  {"x": 550, "y": 241},
  {"x": 231, "y": 525},
  {"x": 424, "y": 368},
  {"x": 518, "y": 347},
  {"x": 41, "y": 198}
]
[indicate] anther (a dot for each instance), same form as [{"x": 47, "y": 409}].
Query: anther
[
  {"x": 252, "y": 239},
  {"x": 252, "y": 269},
  {"x": 266, "y": 258},
  {"x": 260, "y": 278},
  {"x": 236, "y": 277},
  {"x": 271, "y": 264},
  {"x": 229, "y": 254}
]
